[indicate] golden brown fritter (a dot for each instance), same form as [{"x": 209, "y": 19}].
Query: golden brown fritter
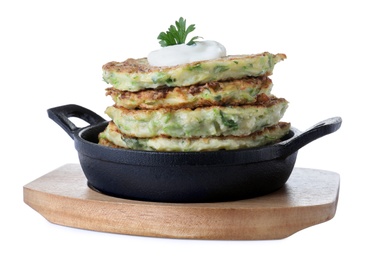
[
  {"x": 137, "y": 74},
  {"x": 235, "y": 93},
  {"x": 199, "y": 122},
  {"x": 112, "y": 137}
]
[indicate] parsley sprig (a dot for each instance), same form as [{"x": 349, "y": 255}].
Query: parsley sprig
[{"x": 177, "y": 34}]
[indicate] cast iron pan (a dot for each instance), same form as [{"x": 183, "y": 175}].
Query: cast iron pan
[{"x": 183, "y": 176}]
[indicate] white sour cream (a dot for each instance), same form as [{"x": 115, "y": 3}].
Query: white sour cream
[{"x": 182, "y": 53}]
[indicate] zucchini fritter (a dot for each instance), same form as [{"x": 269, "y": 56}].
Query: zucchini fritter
[
  {"x": 111, "y": 136},
  {"x": 137, "y": 74},
  {"x": 199, "y": 122},
  {"x": 234, "y": 93}
]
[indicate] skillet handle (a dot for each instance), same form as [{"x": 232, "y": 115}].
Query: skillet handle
[
  {"x": 62, "y": 114},
  {"x": 321, "y": 129}
]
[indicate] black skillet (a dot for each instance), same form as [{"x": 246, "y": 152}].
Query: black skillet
[{"x": 183, "y": 176}]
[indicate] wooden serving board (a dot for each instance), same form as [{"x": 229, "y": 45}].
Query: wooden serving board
[{"x": 308, "y": 198}]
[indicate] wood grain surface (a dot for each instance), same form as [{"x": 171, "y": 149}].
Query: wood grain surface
[{"x": 308, "y": 198}]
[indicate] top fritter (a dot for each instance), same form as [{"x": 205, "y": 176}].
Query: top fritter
[{"x": 137, "y": 74}]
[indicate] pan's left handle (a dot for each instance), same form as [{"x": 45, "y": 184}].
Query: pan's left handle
[{"x": 62, "y": 114}]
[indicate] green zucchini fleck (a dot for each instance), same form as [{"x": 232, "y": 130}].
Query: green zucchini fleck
[
  {"x": 228, "y": 122},
  {"x": 220, "y": 68}
]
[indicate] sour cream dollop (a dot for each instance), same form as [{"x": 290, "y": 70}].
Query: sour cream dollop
[{"x": 182, "y": 53}]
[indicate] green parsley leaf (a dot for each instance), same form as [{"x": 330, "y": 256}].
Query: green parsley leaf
[{"x": 177, "y": 34}]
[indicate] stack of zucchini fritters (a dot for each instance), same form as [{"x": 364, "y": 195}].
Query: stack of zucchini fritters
[{"x": 209, "y": 105}]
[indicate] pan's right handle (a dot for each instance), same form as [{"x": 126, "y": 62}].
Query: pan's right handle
[
  {"x": 321, "y": 129},
  {"x": 62, "y": 114}
]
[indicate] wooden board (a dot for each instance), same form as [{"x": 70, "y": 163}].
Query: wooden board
[{"x": 308, "y": 198}]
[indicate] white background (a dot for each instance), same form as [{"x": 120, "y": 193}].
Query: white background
[{"x": 51, "y": 54}]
